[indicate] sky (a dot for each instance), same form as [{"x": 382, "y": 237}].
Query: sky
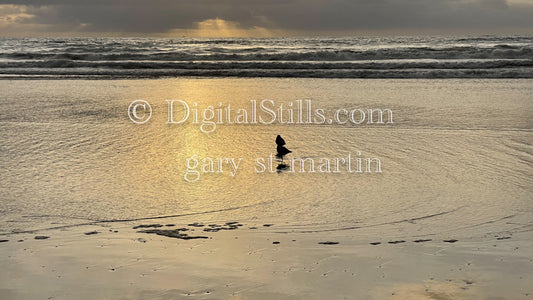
[{"x": 262, "y": 18}]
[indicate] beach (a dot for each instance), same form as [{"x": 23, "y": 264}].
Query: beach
[
  {"x": 448, "y": 217},
  {"x": 263, "y": 263}
]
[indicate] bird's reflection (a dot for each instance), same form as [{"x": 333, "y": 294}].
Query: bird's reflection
[{"x": 281, "y": 152}]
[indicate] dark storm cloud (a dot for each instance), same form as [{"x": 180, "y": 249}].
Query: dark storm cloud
[
  {"x": 405, "y": 14},
  {"x": 158, "y": 16}
]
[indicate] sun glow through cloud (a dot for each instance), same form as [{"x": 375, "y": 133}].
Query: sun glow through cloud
[
  {"x": 179, "y": 18},
  {"x": 222, "y": 28}
]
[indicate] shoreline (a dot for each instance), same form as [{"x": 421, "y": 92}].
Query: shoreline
[
  {"x": 229, "y": 76},
  {"x": 139, "y": 259}
]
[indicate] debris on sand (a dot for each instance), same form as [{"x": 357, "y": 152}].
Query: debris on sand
[
  {"x": 328, "y": 243},
  {"x": 3, "y": 241},
  {"x": 422, "y": 240},
  {"x": 91, "y": 232},
  {"x": 148, "y": 226},
  {"x": 375, "y": 243},
  {"x": 268, "y": 225},
  {"x": 196, "y": 224},
  {"x": 450, "y": 241},
  {"x": 397, "y": 242},
  {"x": 174, "y": 233},
  {"x": 41, "y": 237},
  {"x": 503, "y": 238},
  {"x": 216, "y": 228},
  {"x": 275, "y": 243}
]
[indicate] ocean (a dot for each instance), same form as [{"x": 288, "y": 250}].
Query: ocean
[
  {"x": 455, "y": 154},
  {"x": 147, "y": 169},
  {"x": 317, "y": 57}
]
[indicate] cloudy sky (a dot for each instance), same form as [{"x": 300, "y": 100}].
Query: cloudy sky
[{"x": 262, "y": 17}]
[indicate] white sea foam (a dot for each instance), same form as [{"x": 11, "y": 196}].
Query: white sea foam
[{"x": 357, "y": 57}]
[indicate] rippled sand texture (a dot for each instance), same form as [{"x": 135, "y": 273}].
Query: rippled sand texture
[
  {"x": 457, "y": 165},
  {"x": 457, "y": 158}
]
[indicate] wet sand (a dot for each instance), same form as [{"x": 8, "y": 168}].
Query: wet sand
[
  {"x": 173, "y": 259},
  {"x": 95, "y": 206}
]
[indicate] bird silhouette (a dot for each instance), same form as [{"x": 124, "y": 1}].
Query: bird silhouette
[
  {"x": 280, "y": 141},
  {"x": 282, "y": 150}
]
